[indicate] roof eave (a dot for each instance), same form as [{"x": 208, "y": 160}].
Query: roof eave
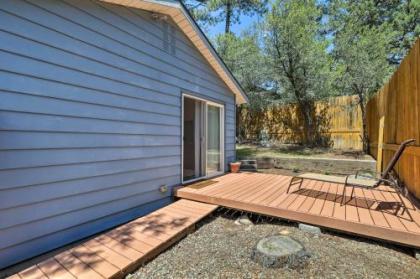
[
  {"x": 173, "y": 8},
  {"x": 243, "y": 97}
]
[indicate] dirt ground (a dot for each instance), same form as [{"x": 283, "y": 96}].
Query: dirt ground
[{"x": 221, "y": 249}]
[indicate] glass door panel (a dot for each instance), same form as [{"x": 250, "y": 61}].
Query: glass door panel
[
  {"x": 193, "y": 139},
  {"x": 214, "y": 140}
]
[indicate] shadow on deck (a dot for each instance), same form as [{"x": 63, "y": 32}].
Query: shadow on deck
[{"x": 115, "y": 253}]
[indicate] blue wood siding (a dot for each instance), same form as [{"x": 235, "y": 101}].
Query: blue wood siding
[{"x": 90, "y": 118}]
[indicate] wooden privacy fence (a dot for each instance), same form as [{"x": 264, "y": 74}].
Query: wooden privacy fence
[
  {"x": 397, "y": 106},
  {"x": 339, "y": 123}
]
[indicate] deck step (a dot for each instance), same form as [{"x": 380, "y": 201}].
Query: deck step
[
  {"x": 115, "y": 253},
  {"x": 249, "y": 165}
]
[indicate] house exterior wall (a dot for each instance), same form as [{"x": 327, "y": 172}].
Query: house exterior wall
[{"x": 90, "y": 118}]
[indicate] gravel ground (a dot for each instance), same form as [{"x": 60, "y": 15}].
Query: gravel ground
[{"x": 221, "y": 249}]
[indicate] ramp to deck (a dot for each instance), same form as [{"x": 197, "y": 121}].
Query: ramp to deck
[
  {"x": 117, "y": 252},
  {"x": 370, "y": 213}
]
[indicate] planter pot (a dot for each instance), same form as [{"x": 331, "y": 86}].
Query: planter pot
[{"x": 234, "y": 167}]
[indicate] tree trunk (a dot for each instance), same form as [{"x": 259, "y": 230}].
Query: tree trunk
[
  {"x": 306, "y": 108},
  {"x": 365, "y": 136},
  {"x": 228, "y": 16},
  {"x": 239, "y": 124}
]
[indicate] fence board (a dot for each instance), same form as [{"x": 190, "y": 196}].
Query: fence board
[
  {"x": 340, "y": 123},
  {"x": 399, "y": 102}
]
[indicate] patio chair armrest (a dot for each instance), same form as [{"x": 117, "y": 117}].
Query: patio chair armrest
[{"x": 391, "y": 181}]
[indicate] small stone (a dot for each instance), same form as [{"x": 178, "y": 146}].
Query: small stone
[
  {"x": 248, "y": 228},
  {"x": 417, "y": 254},
  {"x": 309, "y": 229},
  {"x": 243, "y": 220},
  {"x": 284, "y": 232},
  {"x": 280, "y": 251}
]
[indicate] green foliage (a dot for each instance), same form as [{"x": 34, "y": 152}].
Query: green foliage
[
  {"x": 400, "y": 19},
  {"x": 246, "y": 60},
  {"x": 363, "y": 37},
  {"x": 244, "y": 57},
  {"x": 228, "y": 11},
  {"x": 297, "y": 54},
  {"x": 200, "y": 13},
  {"x": 298, "y": 58},
  {"x": 361, "y": 53},
  {"x": 307, "y": 50},
  {"x": 406, "y": 24}
]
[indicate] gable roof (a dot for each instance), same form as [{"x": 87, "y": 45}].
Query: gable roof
[{"x": 186, "y": 23}]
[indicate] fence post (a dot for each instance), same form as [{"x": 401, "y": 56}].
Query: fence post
[{"x": 380, "y": 144}]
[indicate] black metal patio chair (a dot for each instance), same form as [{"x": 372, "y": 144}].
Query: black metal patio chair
[
  {"x": 386, "y": 177},
  {"x": 360, "y": 180}
]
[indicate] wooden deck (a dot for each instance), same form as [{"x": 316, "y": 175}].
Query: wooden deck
[
  {"x": 369, "y": 214},
  {"x": 123, "y": 249}
]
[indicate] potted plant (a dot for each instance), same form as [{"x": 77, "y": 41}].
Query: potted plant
[{"x": 235, "y": 166}]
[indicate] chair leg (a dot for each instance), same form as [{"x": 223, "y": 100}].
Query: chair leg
[
  {"x": 405, "y": 208},
  {"x": 343, "y": 194},
  {"x": 292, "y": 183},
  {"x": 398, "y": 190},
  {"x": 300, "y": 183},
  {"x": 352, "y": 193},
  {"x": 343, "y": 202}
]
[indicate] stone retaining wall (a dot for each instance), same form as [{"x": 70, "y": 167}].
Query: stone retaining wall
[{"x": 320, "y": 165}]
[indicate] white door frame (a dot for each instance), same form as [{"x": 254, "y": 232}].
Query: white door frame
[{"x": 222, "y": 138}]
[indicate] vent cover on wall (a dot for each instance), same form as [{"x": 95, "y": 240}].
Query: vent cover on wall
[
  {"x": 173, "y": 40},
  {"x": 165, "y": 31},
  {"x": 169, "y": 38}
]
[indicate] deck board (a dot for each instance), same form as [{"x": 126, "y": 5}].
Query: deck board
[
  {"x": 32, "y": 272},
  {"x": 100, "y": 265},
  {"x": 316, "y": 203},
  {"x": 115, "y": 253},
  {"x": 319, "y": 200},
  {"x": 254, "y": 191},
  {"x": 362, "y": 207},
  {"x": 117, "y": 259},
  {"x": 76, "y": 267},
  {"x": 272, "y": 189},
  {"x": 339, "y": 211},
  {"x": 52, "y": 269}
]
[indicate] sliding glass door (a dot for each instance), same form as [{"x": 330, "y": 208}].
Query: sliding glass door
[{"x": 203, "y": 138}]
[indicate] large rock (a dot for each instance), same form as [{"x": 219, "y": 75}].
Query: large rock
[
  {"x": 310, "y": 229},
  {"x": 280, "y": 251},
  {"x": 243, "y": 220}
]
